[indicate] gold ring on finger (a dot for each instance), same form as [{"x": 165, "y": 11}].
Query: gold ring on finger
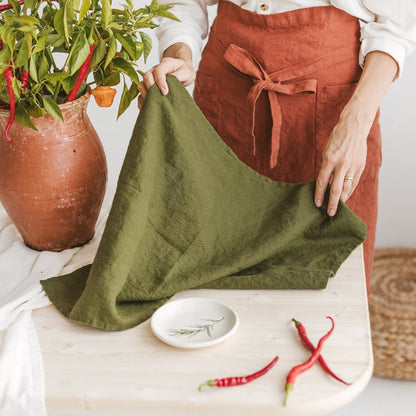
[{"x": 349, "y": 179}]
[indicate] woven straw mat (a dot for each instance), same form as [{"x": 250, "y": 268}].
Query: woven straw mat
[{"x": 393, "y": 313}]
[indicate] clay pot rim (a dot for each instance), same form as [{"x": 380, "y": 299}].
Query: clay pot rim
[{"x": 83, "y": 99}]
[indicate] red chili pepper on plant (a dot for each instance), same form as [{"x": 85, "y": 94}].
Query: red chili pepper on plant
[
  {"x": 4, "y": 7},
  {"x": 309, "y": 346},
  {"x": 8, "y": 76},
  {"x": 295, "y": 371},
  {"x": 237, "y": 381},
  {"x": 24, "y": 78},
  {"x": 83, "y": 71}
]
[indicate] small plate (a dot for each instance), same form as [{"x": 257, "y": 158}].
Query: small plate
[{"x": 193, "y": 322}]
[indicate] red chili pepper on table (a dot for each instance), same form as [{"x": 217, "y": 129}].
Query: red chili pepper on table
[
  {"x": 309, "y": 346},
  {"x": 8, "y": 76},
  {"x": 295, "y": 371},
  {"x": 237, "y": 381},
  {"x": 83, "y": 71}
]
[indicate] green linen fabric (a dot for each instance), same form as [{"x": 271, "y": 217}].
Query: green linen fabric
[{"x": 188, "y": 213}]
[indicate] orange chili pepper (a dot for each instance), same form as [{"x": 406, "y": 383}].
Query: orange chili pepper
[{"x": 104, "y": 95}]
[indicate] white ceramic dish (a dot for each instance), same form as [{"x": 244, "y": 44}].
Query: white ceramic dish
[{"x": 193, "y": 322}]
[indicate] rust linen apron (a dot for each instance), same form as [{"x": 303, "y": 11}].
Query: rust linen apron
[{"x": 273, "y": 87}]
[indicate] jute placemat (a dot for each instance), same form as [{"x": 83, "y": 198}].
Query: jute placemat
[{"x": 393, "y": 313}]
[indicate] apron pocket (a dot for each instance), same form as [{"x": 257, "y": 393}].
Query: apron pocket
[
  {"x": 330, "y": 101},
  {"x": 205, "y": 94}
]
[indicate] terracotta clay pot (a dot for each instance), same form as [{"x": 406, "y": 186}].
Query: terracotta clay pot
[{"x": 52, "y": 182}]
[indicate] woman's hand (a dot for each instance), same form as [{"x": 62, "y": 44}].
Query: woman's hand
[
  {"x": 344, "y": 156},
  {"x": 345, "y": 153},
  {"x": 177, "y": 60}
]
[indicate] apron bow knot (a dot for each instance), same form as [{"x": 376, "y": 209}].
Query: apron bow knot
[{"x": 247, "y": 64}]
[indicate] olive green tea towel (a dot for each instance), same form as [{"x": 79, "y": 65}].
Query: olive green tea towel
[{"x": 188, "y": 213}]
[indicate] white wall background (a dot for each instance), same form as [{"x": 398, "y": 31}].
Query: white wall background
[{"x": 397, "y": 198}]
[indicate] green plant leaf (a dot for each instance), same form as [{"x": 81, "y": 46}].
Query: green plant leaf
[
  {"x": 98, "y": 54},
  {"x": 44, "y": 66},
  {"x": 23, "y": 54},
  {"x": 40, "y": 44},
  {"x": 9, "y": 38},
  {"x": 34, "y": 109},
  {"x": 28, "y": 37},
  {"x": 116, "y": 26},
  {"x": 23, "y": 117},
  {"x": 54, "y": 40},
  {"x": 139, "y": 49},
  {"x": 29, "y": 4},
  {"x": 69, "y": 5},
  {"x": 26, "y": 28},
  {"x": 147, "y": 44},
  {"x": 5, "y": 56},
  {"x": 128, "y": 44},
  {"x": 113, "y": 78},
  {"x": 32, "y": 67},
  {"x": 76, "y": 4},
  {"x": 169, "y": 15},
  {"x": 16, "y": 5},
  {"x": 154, "y": 6},
  {"x": 68, "y": 83},
  {"x": 112, "y": 50},
  {"x": 79, "y": 53},
  {"x": 133, "y": 91},
  {"x": 49, "y": 87},
  {"x": 118, "y": 12},
  {"x": 127, "y": 68},
  {"x": 55, "y": 77},
  {"x": 29, "y": 20},
  {"x": 60, "y": 23},
  {"x": 52, "y": 108},
  {"x": 106, "y": 12},
  {"x": 124, "y": 101},
  {"x": 85, "y": 6},
  {"x": 16, "y": 84}
]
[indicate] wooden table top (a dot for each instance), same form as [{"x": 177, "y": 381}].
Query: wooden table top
[{"x": 94, "y": 372}]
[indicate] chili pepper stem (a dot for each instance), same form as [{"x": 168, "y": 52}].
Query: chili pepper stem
[
  {"x": 297, "y": 323},
  {"x": 210, "y": 383},
  {"x": 288, "y": 389}
]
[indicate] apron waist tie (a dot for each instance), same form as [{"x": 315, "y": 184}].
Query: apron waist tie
[{"x": 247, "y": 64}]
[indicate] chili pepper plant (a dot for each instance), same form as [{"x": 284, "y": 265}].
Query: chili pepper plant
[{"x": 50, "y": 47}]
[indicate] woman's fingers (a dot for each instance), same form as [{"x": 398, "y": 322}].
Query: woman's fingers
[
  {"x": 142, "y": 90},
  {"x": 183, "y": 70},
  {"x": 337, "y": 188},
  {"x": 322, "y": 181},
  {"x": 349, "y": 187},
  {"x": 140, "y": 100},
  {"x": 148, "y": 79}
]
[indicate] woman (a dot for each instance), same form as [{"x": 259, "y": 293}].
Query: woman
[{"x": 294, "y": 87}]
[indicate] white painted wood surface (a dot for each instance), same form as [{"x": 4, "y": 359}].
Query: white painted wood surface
[{"x": 94, "y": 372}]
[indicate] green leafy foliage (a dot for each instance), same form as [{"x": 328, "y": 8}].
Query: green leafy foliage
[
  {"x": 52, "y": 108},
  {"x": 35, "y": 33}
]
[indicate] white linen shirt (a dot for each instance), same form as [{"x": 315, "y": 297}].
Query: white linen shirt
[{"x": 386, "y": 25}]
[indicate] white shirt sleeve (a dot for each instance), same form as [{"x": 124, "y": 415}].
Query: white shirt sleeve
[
  {"x": 392, "y": 30},
  {"x": 192, "y": 29},
  {"x": 386, "y": 25}
]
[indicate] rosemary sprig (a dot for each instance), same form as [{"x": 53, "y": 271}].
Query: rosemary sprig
[{"x": 198, "y": 328}]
